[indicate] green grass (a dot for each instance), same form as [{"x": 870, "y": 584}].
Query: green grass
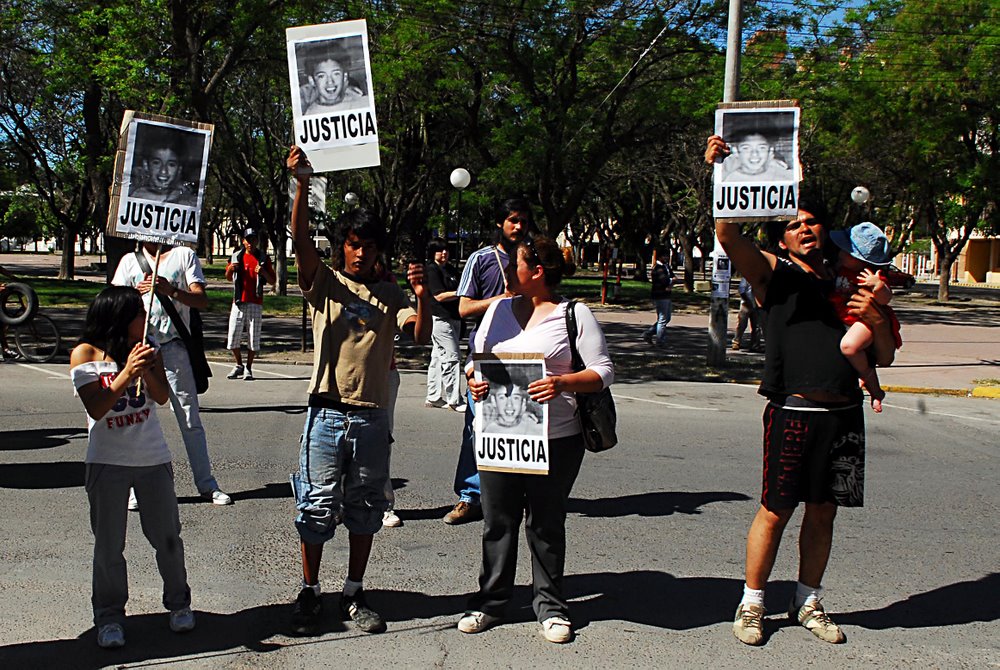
[
  {"x": 632, "y": 294},
  {"x": 79, "y": 293}
]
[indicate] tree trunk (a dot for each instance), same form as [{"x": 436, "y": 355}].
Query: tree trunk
[
  {"x": 944, "y": 278},
  {"x": 67, "y": 268}
]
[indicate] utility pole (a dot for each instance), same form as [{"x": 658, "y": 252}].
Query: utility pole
[{"x": 719, "y": 315}]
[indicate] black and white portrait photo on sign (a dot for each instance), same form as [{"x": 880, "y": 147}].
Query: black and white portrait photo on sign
[
  {"x": 333, "y": 107},
  {"x": 511, "y": 428},
  {"x": 759, "y": 178},
  {"x": 162, "y": 179}
]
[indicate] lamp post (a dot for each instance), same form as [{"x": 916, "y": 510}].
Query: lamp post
[{"x": 460, "y": 179}]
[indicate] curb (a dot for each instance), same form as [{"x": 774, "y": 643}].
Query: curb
[{"x": 977, "y": 392}]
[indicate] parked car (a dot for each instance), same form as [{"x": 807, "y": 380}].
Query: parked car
[{"x": 896, "y": 278}]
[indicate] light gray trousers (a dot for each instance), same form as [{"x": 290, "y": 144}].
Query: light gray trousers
[{"x": 107, "y": 491}]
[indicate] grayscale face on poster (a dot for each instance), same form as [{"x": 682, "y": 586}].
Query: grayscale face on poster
[
  {"x": 333, "y": 107},
  {"x": 162, "y": 179},
  {"x": 166, "y": 164},
  {"x": 758, "y": 179}
]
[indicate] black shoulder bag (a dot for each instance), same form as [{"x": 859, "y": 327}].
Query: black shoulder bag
[
  {"x": 194, "y": 340},
  {"x": 597, "y": 410}
]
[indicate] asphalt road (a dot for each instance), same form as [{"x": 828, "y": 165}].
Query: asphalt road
[{"x": 656, "y": 533}]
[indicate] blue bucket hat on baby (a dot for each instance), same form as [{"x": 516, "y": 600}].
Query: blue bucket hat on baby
[{"x": 865, "y": 241}]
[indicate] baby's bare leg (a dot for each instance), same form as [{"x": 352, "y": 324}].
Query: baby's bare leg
[{"x": 854, "y": 344}]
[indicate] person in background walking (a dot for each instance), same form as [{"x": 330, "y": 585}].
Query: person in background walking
[
  {"x": 661, "y": 283},
  {"x": 750, "y": 312}
]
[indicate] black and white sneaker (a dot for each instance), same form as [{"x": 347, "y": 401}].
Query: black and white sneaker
[
  {"x": 236, "y": 373},
  {"x": 306, "y": 611},
  {"x": 357, "y": 610}
]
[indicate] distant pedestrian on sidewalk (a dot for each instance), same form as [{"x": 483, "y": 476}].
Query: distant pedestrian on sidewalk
[
  {"x": 814, "y": 432},
  {"x": 750, "y": 313},
  {"x": 661, "y": 283},
  {"x": 126, "y": 449},
  {"x": 444, "y": 378},
  {"x": 250, "y": 270}
]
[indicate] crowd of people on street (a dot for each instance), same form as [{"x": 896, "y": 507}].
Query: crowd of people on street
[{"x": 826, "y": 320}]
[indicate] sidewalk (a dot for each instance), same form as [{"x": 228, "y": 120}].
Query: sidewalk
[
  {"x": 949, "y": 350},
  {"x": 952, "y": 349}
]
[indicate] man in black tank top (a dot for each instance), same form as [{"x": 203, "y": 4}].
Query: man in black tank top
[{"x": 813, "y": 424}]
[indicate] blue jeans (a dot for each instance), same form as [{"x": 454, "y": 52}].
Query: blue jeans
[
  {"x": 184, "y": 402},
  {"x": 467, "y": 474},
  {"x": 343, "y": 468},
  {"x": 659, "y": 329}
]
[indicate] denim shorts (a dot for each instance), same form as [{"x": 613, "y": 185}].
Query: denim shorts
[{"x": 343, "y": 468}]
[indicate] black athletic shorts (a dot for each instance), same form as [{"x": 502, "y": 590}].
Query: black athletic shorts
[{"x": 813, "y": 454}]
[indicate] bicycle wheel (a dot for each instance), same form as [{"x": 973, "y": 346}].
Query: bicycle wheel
[{"x": 38, "y": 340}]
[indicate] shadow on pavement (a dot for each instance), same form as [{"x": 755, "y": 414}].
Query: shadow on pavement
[
  {"x": 677, "y": 603},
  {"x": 662, "y": 503},
  {"x": 952, "y": 605},
  {"x": 40, "y": 438},
  {"x": 58, "y": 475}
]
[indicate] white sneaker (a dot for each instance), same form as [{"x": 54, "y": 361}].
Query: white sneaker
[
  {"x": 236, "y": 373},
  {"x": 111, "y": 636},
  {"x": 217, "y": 497},
  {"x": 458, "y": 408},
  {"x": 557, "y": 629},
  {"x": 391, "y": 520},
  {"x": 248, "y": 377},
  {"x": 434, "y": 403},
  {"x": 476, "y": 622},
  {"x": 133, "y": 502},
  {"x": 182, "y": 620}
]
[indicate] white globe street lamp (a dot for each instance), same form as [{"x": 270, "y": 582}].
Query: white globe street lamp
[
  {"x": 460, "y": 178},
  {"x": 351, "y": 199},
  {"x": 860, "y": 195}
]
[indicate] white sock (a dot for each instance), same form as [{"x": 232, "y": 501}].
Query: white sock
[
  {"x": 351, "y": 588},
  {"x": 807, "y": 594},
  {"x": 752, "y": 596},
  {"x": 314, "y": 587}
]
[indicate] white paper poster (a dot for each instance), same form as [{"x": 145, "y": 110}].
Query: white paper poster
[
  {"x": 160, "y": 180},
  {"x": 759, "y": 179},
  {"x": 511, "y": 428},
  {"x": 333, "y": 105}
]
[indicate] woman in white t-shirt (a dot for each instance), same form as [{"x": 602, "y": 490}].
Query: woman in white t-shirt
[
  {"x": 534, "y": 321},
  {"x": 126, "y": 449}
]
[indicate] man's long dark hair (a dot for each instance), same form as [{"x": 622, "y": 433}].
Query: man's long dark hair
[
  {"x": 364, "y": 224},
  {"x": 504, "y": 209},
  {"x": 108, "y": 320}
]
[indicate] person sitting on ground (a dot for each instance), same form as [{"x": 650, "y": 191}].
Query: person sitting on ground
[
  {"x": 862, "y": 250},
  {"x": 6, "y": 352},
  {"x": 120, "y": 379}
]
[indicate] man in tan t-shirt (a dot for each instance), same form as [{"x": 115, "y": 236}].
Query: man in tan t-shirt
[{"x": 344, "y": 457}]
